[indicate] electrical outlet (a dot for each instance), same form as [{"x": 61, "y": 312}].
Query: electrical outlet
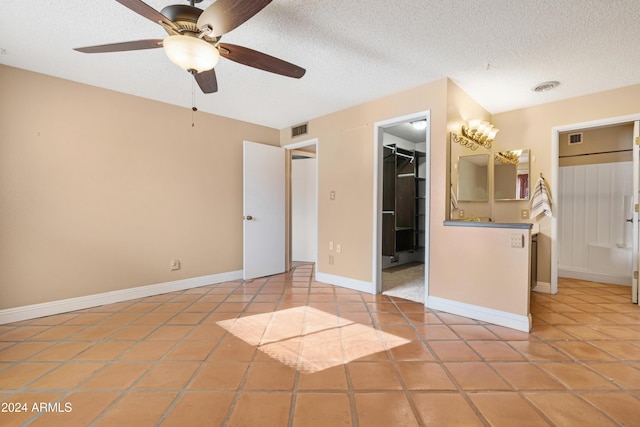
[
  {"x": 517, "y": 241},
  {"x": 339, "y": 248},
  {"x": 525, "y": 214},
  {"x": 331, "y": 245},
  {"x": 330, "y": 259},
  {"x": 332, "y": 195},
  {"x": 460, "y": 213},
  {"x": 175, "y": 264}
]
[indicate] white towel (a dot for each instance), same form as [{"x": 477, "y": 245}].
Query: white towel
[
  {"x": 540, "y": 201},
  {"x": 454, "y": 201}
]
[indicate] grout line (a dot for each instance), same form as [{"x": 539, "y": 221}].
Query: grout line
[
  {"x": 282, "y": 286},
  {"x": 245, "y": 376}
]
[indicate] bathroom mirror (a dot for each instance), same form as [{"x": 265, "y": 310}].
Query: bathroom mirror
[
  {"x": 473, "y": 178},
  {"x": 511, "y": 175}
]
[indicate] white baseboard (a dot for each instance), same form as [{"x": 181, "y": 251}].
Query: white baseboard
[
  {"x": 497, "y": 317},
  {"x": 71, "y": 304},
  {"x": 595, "y": 277},
  {"x": 345, "y": 282},
  {"x": 544, "y": 287},
  {"x": 502, "y": 318}
]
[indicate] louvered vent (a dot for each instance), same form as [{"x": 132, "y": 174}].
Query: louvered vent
[
  {"x": 575, "y": 138},
  {"x": 299, "y": 130}
]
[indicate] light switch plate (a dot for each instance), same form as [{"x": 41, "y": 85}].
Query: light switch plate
[{"x": 517, "y": 241}]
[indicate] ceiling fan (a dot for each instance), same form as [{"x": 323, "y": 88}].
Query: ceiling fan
[{"x": 194, "y": 38}]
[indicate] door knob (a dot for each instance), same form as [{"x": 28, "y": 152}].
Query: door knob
[{"x": 248, "y": 217}]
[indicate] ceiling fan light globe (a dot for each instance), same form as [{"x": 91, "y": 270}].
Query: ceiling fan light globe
[{"x": 191, "y": 53}]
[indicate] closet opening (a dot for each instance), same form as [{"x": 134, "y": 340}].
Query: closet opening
[{"x": 403, "y": 201}]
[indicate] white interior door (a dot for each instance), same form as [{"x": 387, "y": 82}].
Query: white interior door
[
  {"x": 635, "y": 190},
  {"x": 263, "y": 210}
]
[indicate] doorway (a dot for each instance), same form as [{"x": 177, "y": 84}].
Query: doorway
[
  {"x": 594, "y": 189},
  {"x": 594, "y": 204},
  {"x": 302, "y": 190},
  {"x": 402, "y": 220}
]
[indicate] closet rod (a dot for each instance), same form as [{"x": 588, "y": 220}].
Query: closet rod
[
  {"x": 599, "y": 152},
  {"x": 404, "y": 155}
]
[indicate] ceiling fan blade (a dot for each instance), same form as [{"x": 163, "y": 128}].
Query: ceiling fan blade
[
  {"x": 262, "y": 61},
  {"x": 147, "y": 11},
  {"x": 225, "y": 15},
  {"x": 207, "y": 81},
  {"x": 120, "y": 47}
]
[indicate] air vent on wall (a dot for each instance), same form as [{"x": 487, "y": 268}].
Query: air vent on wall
[
  {"x": 299, "y": 130},
  {"x": 575, "y": 138}
]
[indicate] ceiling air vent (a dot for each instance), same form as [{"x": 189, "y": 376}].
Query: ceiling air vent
[
  {"x": 299, "y": 130},
  {"x": 545, "y": 86},
  {"x": 575, "y": 138}
]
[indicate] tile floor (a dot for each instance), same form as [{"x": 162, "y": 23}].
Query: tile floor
[{"x": 289, "y": 351}]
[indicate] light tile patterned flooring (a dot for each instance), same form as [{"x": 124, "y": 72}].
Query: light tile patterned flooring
[{"x": 288, "y": 351}]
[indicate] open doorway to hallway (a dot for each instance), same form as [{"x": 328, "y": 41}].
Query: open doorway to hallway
[{"x": 303, "y": 193}]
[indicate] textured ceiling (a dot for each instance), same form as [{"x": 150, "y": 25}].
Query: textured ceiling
[{"x": 354, "y": 51}]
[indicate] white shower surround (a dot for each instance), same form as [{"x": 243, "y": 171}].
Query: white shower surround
[{"x": 594, "y": 239}]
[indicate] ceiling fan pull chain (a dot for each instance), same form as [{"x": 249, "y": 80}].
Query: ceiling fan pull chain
[
  {"x": 193, "y": 41},
  {"x": 193, "y": 102}
]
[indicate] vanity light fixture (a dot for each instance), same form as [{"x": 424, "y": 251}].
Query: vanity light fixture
[
  {"x": 419, "y": 124},
  {"x": 512, "y": 157},
  {"x": 476, "y": 133}
]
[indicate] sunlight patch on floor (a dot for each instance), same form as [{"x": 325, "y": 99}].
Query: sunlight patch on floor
[{"x": 310, "y": 340}]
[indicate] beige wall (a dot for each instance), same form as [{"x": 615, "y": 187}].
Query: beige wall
[
  {"x": 465, "y": 262},
  {"x": 478, "y": 266},
  {"x": 460, "y": 109},
  {"x": 614, "y": 143},
  {"x": 345, "y": 165},
  {"x": 100, "y": 190},
  {"x": 532, "y": 127}
]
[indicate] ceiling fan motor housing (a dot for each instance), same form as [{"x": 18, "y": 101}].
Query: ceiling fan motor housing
[
  {"x": 185, "y": 17},
  {"x": 194, "y": 36}
]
